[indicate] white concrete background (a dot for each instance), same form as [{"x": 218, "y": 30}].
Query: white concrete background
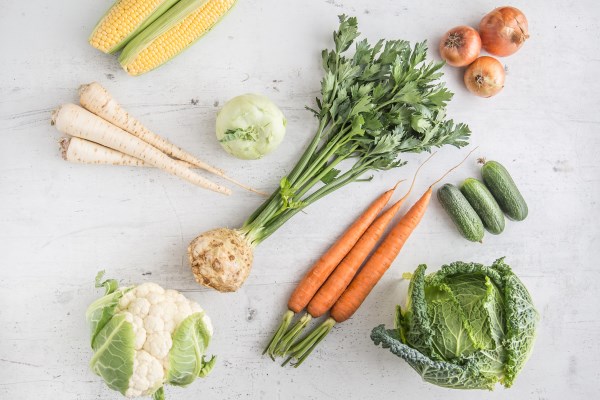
[{"x": 63, "y": 222}]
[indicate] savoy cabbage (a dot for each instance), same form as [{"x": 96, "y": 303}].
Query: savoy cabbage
[{"x": 466, "y": 326}]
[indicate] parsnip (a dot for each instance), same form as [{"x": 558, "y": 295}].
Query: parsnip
[
  {"x": 77, "y": 150},
  {"x": 76, "y": 121},
  {"x": 95, "y": 98}
]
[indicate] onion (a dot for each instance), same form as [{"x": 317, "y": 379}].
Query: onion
[
  {"x": 503, "y": 31},
  {"x": 485, "y": 77},
  {"x": 460, "y": 46}
]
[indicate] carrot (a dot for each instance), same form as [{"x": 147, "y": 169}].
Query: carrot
[
  {"x": 76, "y": 121},
  {"x": 320, "y": 271},
  {"x": 338, "y": 281},
  {"x": 74, "y": 149},
  {"x": 95, "y": 98},
  {"x": 362, "y": 284}
]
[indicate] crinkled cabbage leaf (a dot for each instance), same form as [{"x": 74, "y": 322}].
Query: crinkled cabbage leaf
[{"x": 466, "y": 326}]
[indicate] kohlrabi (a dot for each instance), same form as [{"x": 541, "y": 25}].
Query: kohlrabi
[
  {"x": 466, "y": 326},
  {"x": 144, "y": 337},
  {"x": 250, "y": 126}
]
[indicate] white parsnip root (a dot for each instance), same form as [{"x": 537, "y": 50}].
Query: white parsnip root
[
  {"x": 95, "y": 98},
  {"x": 77, "y": 150},
  {"x": 77, "y": 121}
]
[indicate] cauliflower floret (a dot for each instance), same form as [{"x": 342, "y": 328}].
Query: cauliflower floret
[
  {"x": 208, "y": 324},
  {"x": 183, "y": 311},
  {"x": 154, "y": 323},
  {"x": 139, "y": 306},
  {"x": 158, "y": 344},
  {"x": 148, "y": 373},
  {"x": 138, "y": 329},
  {"x": 145, "y": 289},
  {"x": 126, "y": 299},
  {"x": 167, "y": 311},
  {"x": 195, "y": 307},
  {"x": 155, "y": 298}
]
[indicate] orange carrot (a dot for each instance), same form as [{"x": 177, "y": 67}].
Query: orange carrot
[
  {"x": 380, "y": 261},
  {"x": 320, "y": 271},
  {"x": 340, "y": 278},
  {"x": 344, "y": 272},
  {"x": 362, "y": 284}
]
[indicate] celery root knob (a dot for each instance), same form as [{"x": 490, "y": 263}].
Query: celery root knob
[{"x": 221, "y": 259}]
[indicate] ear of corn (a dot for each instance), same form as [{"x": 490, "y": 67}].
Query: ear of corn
[
  {"x": 175, "y": 30},
  {"x": 124, "y": 20}
]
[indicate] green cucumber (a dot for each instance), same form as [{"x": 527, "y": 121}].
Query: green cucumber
[
  {"x": 484, "y": 204},
  {"x": 463, "y": 215},
  {"x": 503, "y": 188}
]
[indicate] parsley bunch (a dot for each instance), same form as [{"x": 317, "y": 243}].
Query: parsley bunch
[{"x": 383, "y": 100}]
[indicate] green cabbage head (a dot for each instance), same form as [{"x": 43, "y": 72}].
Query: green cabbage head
[
  {"x": 466, "y": 326},
  {"x": 144, "y": 337},
  {"x": 250, "y": 126}
]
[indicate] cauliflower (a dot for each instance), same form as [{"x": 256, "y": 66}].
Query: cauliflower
[{"x": 145, "y": 336}]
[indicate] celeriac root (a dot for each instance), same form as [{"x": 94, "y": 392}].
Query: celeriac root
[
  {"x": 77, "y": 150},
  {"x": 95, "y": 98},
  {"x": 221, "y": 259},
  {"x": 76, "y": 121}
]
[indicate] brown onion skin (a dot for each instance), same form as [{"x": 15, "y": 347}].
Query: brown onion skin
[
  {"x": 503, "y": 31},
  {"x": 460, "y": 46},
  {"x": 485, "y": 77}
]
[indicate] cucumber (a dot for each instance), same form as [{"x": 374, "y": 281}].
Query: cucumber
[
  {"x": 503, "y": 188},
  {"x": 484, "y": 204},
  {"x": 463, "y": 215}
]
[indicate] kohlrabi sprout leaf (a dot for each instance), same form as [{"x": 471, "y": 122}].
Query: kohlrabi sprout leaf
[
  {"x": 114, "y": 352},
  {"x": 465, "y": 326},
  {"x": 190, "y": 341},
  {"x": 249, "y": 134}
]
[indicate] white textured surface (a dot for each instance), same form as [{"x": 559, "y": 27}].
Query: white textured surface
[{"x": 63, "y": 222}]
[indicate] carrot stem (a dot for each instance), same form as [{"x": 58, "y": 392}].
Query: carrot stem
[
  {"x": 301, "y": 350},
  {"x": 283, "y": 326},
  {"x": 291, "y": 335}
]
